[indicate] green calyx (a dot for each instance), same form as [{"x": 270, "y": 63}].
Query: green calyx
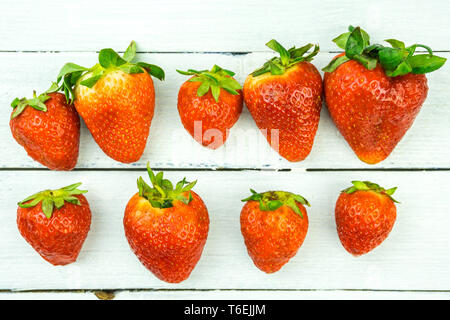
[
  {"x": 163, "y": 193},
  {"x": 370, "y": 186},
  {"x": 213, "y": 80},
  {"x": 53, "y": 198},
  {"x": 396, "y": 60},
  {"x": 108, "y": 60},
  {"x": 37, "y": 102},
  {"x": 287, "y": 58},
  {"x": 272, "y": 200}
]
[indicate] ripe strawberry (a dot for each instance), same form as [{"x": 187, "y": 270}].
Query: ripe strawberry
[
  {"x": 48, "y": 128},
  {"x": 116, "y": 99},
  {"x": 365, "y": 214},
  {"x": 166, "y": 227},
  {"x": 209, "y": 104},
  {"x": 274, "y": 225},
  {"x": 374, "y": 92},
  {"x": 286, "y": 102},
  {"x": 55, "y": 223}
]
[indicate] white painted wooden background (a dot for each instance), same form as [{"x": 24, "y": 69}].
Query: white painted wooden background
[{"x": 37, "y": 38}]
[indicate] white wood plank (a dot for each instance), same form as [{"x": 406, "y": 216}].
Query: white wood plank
[
  {"x": 231, "y": 295},
  {"x": 414, "y": 257},
  {"x": 170, "y": 146},
  {"x": 213, "y": 26}
]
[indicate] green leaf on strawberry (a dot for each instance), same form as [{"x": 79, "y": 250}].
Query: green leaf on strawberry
[
  {"x": 425, "y": 63},
  {"x": 153, "y": 69},
  {"x": 53, "y": 198},
  {"x": 37, "y": 102},
  {"x": 277, "y": 47},
  {"x": 91, "y": 81},
  {"x": 162, "y": 193},
  {"x": 370, "y": 186},
  {"x": 287, "y": 59},
  {"x": 272, "y": 200},
  {"x": 396, "y": 60},
  {"x": 69, "y": 68},
  {"x": 108, "y": 60},
  {"x": 396, "y": 43},
  {"x": 215, "y": 79}
]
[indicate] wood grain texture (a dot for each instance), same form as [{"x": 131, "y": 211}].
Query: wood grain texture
[
  {"x": 37, "y": 38},
  {"x": 414, "y": 257},
  {"x": 213, "y": 26},
  {"x": 170, "y": 146}
]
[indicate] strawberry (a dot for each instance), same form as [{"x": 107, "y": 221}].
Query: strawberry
[
  {"x": 166, "y": 227},
  {"x": 209, "y": 104},
  {"x": 365, "y": 214},
  {"x": 284, "y": 99},
  {"x": 55, "y": 223},
  {"x": 274, "y": 225},
  {"x": 375, "y": 92},
  {"x": 48, "y": 128},
  {"x": 116, "y": 99}
]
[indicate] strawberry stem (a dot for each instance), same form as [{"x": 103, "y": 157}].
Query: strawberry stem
[
  {"x": 163, "y": 193},
  {"x": 272, "y": 200},
  {"x": 37, "y": 102},
  {"x": 213, "y": 80},
  {"x": 53, "y": 198},
  {"x": 370, "y": 186},
  {"x": 396, "y": 60},
  {"x": 287, "y": 59},
  {"x": 108, "y": 59}
]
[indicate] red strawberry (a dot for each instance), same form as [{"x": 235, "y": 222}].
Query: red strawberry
[
  {"x": 374, "y": 92},
  {"x": 209, "y": 104},
  {"x": 274, "y": 225},
  {"x": 116, "y": 99},
  {"x": 55, "y": 223},
  {"x": 166, "y": 227},
  {"x": 284, "y": 98},
  {"x": 48, "y": 128},
  {"x": 365, "y": 214}
]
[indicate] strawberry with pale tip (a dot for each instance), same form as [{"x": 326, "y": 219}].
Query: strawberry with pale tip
[
  {"x": 55, "y": 223},
  {"x": 284, "y": 97},
  {"x": 116, "y": 99},
  {"x": 212, "y": 100},
  {"x": 166, "y": 227},
  {"x": 274, "y": 225}
]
